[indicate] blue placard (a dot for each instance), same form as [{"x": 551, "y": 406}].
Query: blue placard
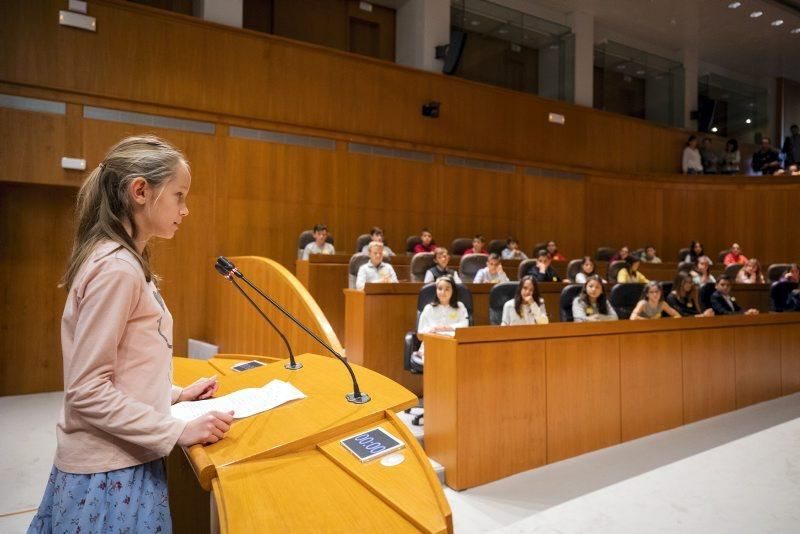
[{"x": 371, "y": 444}]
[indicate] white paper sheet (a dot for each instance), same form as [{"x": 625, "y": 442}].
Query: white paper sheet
[{"x": 244, "y": 403}]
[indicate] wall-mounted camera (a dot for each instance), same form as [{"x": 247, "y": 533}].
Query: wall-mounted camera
[{"x": 430, "y": 109}]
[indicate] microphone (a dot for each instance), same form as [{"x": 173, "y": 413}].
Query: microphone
[
  {"x": 227, "y": 269},
  {"x": 224, "y": 271}
]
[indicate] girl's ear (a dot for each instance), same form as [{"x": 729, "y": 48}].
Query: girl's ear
[{"x": 138, "y": 190}]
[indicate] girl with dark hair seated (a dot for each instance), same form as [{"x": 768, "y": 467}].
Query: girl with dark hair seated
[
  {"x": 702, "y": 273},
  {"x": 527, "y": 306},
  {"x": 652, "y": 304},
  {"x": 592, "y": 304},
  {"x": 442, "y": 316},
  {"x": 683, "y": 297},
  {"x": 630, "y": 274},
  {"x": 695, "y": 252}
]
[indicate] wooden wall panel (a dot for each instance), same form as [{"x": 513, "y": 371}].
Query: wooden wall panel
[
  {"x": 709, "y": 371},
  {"x": 304, "y": 85},
  {"x": 583, "y": 405},
  {"x": 758, "y": 364},
  {"x": 35, "y": 242},
  {"x": 790, "y": 362},
  {"x": 650, "y": 383}
]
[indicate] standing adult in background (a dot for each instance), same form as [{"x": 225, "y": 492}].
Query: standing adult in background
[
  {"x": 552, "y": 251},
  {"x": 375, "y": 270},
  {"x": 692, "y": 162},
  {"x": 426, "y": 243},
  {"x": 709, "y": 157},
  {"x": 766, "y": 160},
  {"x": 731, "y": 158},
  {"x": 319, "y": 245},
  {"x": 376, "y": 235},
  {"x": 791, "y": 147},
  {"x": 735, "y": 256}
]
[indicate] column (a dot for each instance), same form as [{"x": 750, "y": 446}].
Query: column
[
  {"x": 228, "y": 12},
  {"x": 422, "y": 25},
  {"x": 582, "y": 24}
]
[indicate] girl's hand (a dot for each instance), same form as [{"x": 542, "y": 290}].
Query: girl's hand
[
  {"x": 201, "y": 389},
  {"x": 208, "y": 428}
]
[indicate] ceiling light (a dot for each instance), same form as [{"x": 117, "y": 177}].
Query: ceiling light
[
  {"x": 640, "y": 72},
  {"x": 475, "y": 22},
  {"x": 748, "y": 121},
  {"x": 796, "y": 30},
  {"x": 776, "y": 22},
  {"x": 734, "y": 5},
  {"x": 621, "y": 66},
  {"x": 502, "y": 31},
  {"x": 756, "y": 14},
  {"x": 714, "y": 129}
]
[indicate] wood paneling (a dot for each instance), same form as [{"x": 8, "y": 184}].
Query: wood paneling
[
  {"x": 758, "y": 364},
  {"x": 583, "y": 404},
  {"x": 790, "y": 361},
  {"x": 709, "y": 371},
  {"x": 650, "y": 383},
  {"x": 35, "y": 242}
]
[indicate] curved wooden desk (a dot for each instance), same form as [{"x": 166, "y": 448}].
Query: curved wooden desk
[
  {"x": 501, "y": 400},
  {"x": 285, "y": 471}
]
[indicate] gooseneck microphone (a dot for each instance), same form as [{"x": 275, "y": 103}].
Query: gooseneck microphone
[
  {"x": 227, "y": 269},
  {"x": 293, "y": 365}
]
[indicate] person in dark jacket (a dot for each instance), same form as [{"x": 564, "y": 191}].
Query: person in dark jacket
[{"x": 723, "y": 303}]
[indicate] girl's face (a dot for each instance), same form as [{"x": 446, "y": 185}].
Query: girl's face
[
  {"x": 588, "y": 267},
  {"x": 594, "y": 289},
  {"x": 443, "y": 292},
  {"x": 687, "y": 285},
  {"x": 623, "y": 252},
  {"x": 442, "y": 259},
  {"x": 164, "y": 207},
  {"x": 426, "y": 238},
  {"x": 654, "y": 294},
  {"x": 751, "y": 266},
  {"x": 702, "y": 266},
  {"x": 698, "y": 248},
  {"x": 635, "y": 266},
  {"x": 551, "y": 247},
  {"x": 527, "y": 291}
]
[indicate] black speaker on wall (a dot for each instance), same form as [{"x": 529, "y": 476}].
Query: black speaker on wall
[{"x": 451, "y": 53}]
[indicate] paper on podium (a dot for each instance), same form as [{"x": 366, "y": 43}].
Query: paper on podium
[{"x": 243, "y": 403}]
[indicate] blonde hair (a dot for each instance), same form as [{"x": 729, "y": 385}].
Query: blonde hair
[{"x": 104, "y": 202}]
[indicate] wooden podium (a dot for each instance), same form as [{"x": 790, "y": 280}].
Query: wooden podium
[{"x": 284, "y": 470}]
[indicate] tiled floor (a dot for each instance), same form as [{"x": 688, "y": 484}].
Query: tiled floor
[{"x": 739, "y": 472}]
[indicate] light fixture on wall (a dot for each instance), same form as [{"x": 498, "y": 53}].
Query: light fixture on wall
[
  {"x": 76, "y": 17},
  {"x": 714, "y": 129},
  {"x": 431, "y": 109},
  {"x": 747, "y": 121}
]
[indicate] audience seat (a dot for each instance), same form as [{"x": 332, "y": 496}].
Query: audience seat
[
  {"x": 638, "y": 252},
  {"x": 420, "y": 263},
  {"x": 459, "y": 245},
  {"x": 624, "y": 297},
  {"x": 568, "y": 294},
  {"x": 704, "y": 295},
  {"x": 779, "y": 295},
  {"x": 411, "y": 343},
  {"x": 666, "y": 288},
  {"x": 604, "y": 254},
  {"x": 682, "y": 253},
  {"x": 307, "y": 237},
  {"x": 573, "y": 268},
  {"x": 496, "y": 246},
  {"x": 722, "y": 254},
  {"x": 356, "y": 261},
  {"x": 412, "y": 242},
  {"x": 776, "y": 270},
  {"x": 732, "y": 270},
  {"x": 524, "y": 265},
  {"x": 362, "y": 240},
  {"x": 470, "y": 265},
  {"x": 498, "y": 296},
  {"x": 686, "y": 266},
  {"x": 537, "y": 247},
  {"x": 613, "y": 269}
]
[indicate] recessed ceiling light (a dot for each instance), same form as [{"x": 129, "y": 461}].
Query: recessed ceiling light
[
  {"x": 756, "y": 14},
  {"x": 796, "y": 30},
  {"x": 502, "y": 31},
  {"x": 777, "y": 22},
  {"x": 621, "y": 66},
  {"x": 714, "y": 129},
  {"x": 475, "y": 22},
  {"x": 640, "y": 72},
  {"x": 748, "y": 121},
  {"x": 734, "y": 5}
]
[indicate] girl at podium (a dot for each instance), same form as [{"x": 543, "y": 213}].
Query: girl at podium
[
  {"x": 115, "y": 426},
  {"x": 527, "y": 306}
]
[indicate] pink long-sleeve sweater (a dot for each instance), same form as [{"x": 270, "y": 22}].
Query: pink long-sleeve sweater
[{"x": 116, "y": 339}]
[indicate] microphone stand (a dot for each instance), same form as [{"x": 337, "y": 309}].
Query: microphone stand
[{"x": 228, "y": 269}]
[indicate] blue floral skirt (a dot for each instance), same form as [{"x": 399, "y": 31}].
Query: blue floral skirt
[{"x": 129, "y": 500}]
